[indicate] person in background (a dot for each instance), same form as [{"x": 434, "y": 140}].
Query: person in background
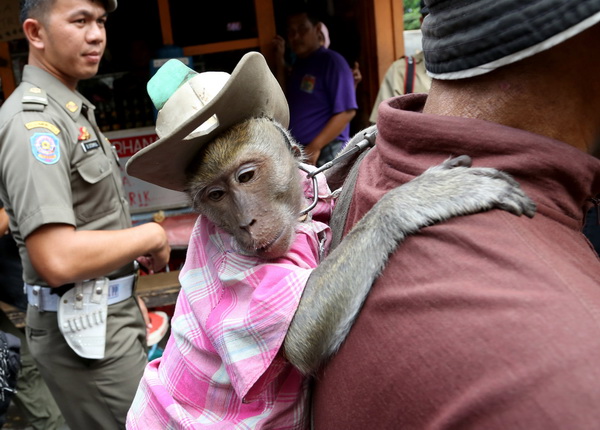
[
  {"x": 71, "y": 220},
  {"x": 32, "y": 395},
  {"x": 500, "y": 328},
  {"x": 405, "y": 75},
  {"x": 319, "y": 87},
  {"x": 324, "y": 35}
]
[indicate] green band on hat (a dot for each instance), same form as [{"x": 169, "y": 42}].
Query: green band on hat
[{"x": 166, "y": 80}]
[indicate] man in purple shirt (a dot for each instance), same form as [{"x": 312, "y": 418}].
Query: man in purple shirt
[{"x": 319, "y": 88}]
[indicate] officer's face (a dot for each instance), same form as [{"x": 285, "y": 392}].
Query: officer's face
[{"x": 74, "y": 39}]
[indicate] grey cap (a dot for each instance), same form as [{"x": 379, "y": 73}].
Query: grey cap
[{"x": 469, "y": 38}]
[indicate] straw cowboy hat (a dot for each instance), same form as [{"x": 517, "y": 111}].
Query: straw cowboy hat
[{"x": 194, "y": 108}]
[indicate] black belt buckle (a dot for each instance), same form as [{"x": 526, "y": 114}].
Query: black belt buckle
[
  {"x": 129, "y": 269},
  {"x": 62, "y": 289}
]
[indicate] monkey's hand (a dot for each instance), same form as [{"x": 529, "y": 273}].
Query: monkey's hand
[
  {"x": 338, "y": 287},
  {"x": 453, "y": 189}
]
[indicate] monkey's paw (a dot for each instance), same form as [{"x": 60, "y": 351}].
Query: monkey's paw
[
  {"x": 456, "y": 188},
  {"x": 510, "y": 196}
]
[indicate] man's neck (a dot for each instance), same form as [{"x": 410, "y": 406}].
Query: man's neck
[
  {"x": 557, "y": 105},
  {"x": 69, "y": 82},
  {"x": 309, "y": 53}
]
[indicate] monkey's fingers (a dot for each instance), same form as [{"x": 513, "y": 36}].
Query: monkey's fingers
[
  {"x": 460, "y": 161},
  {"x": 517, "y": 203}
]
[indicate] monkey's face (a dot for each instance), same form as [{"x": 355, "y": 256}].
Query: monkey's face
[{"x": 247, "y": 182}]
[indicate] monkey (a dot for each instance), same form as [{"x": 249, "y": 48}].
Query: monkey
[{"x": 247, "y": 183}]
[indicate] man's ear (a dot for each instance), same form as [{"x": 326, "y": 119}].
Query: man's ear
[{"x": 33, "y": 30}]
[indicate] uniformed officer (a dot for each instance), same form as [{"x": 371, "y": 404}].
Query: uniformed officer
[{"x": 60, "y": 182}]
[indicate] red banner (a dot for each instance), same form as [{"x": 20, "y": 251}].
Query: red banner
[{"x": 127, "y": 146}]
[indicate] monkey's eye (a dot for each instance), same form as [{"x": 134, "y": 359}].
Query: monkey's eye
[
  {"x": 216, "y": 195},
  {"x": 245, "y": 175}
]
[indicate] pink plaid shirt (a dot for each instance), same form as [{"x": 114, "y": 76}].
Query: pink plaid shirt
[{"x": 222, "y": 367}]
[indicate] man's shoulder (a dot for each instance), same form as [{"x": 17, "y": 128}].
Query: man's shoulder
[
  {"x": 25, "y": 98},
  {"x": 12, "y": 105},
  {"x": 28, "y": 114}
]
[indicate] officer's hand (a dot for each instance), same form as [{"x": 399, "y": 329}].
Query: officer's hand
[{"x": 159, "y": 254}]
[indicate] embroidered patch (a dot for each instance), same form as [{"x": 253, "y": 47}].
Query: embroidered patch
[
  {"x": 35, "y": 90},
  {"x": 92, "y": 144},
  {"x": 45, "y": 148},
  {"x": 42, "y": 124},
  {"x": 84, "y": 134},
  {"x": 308, "y": 83},
  {"x": 72, "y": 106}
]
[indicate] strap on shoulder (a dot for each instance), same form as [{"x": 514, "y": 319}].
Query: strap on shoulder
[
  {"x": 409, "y": 78},
  {"x": 343, "y": 170},
  {"x": 359, "y": 145}
]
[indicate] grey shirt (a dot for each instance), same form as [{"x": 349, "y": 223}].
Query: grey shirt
[{"x": 55, "y": 165}]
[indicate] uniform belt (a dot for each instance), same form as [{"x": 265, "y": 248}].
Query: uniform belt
[{"x": 42, "y": 298}]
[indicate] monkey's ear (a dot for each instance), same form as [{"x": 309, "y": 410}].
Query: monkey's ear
[
  {"x": 295, "y": 148},
  {"x": 297, "y": 151}
]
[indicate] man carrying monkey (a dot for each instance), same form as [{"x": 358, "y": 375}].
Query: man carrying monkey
[
  {"x": 255, "y": 316},
  {"x": 487, "y": 321}
]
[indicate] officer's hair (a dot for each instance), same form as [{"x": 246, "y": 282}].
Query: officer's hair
[
  {"x": 36, "y": 9},
  {"x": 39, "y": 9}
]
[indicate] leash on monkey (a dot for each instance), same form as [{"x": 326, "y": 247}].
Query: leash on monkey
[{"x": 342, "y": 165}]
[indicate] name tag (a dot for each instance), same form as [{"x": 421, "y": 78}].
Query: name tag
[{"x": 89, "y": 145}]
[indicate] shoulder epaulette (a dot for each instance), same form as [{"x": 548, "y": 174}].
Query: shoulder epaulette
[{"x": 34, "y": 99}]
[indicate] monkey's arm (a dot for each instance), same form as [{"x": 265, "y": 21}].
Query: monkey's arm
[{"x": 338, "y": 287}]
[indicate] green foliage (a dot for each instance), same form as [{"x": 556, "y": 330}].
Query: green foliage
[{"x": 412, "y": 14}]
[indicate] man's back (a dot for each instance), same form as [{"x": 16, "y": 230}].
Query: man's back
[{"x": 487, "y": 321}]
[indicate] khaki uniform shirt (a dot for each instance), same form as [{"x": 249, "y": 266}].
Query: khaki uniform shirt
[
  {"x": 393, "y": 81},
  {"x": 55, "y": 165}
]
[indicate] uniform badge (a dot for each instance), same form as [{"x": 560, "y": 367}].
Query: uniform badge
[
  {"x": 72, "y": 106},
  {"x": 42, "y": 124},
  {"x": 45, "y": 147},
  {"x": 35, "y": 90},
  {"x": 84, "y": 134},
  {"x": 308, "y": 84}
]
